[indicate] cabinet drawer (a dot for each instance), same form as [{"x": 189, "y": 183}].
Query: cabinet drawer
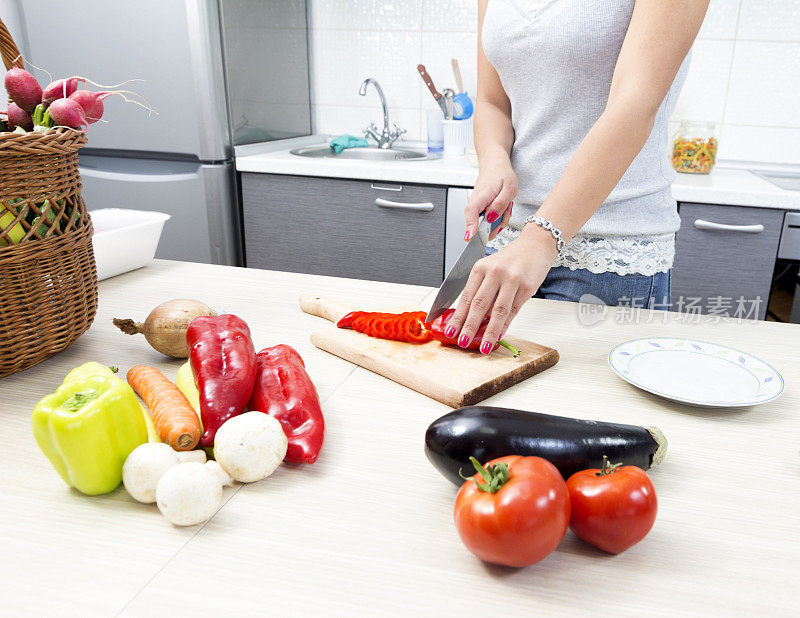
[
  {"x": 345, "y": 228},
  {"x": 722, "y": 254}
]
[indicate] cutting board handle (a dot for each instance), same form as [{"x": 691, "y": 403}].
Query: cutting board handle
[{"x": 323, "y": 307}]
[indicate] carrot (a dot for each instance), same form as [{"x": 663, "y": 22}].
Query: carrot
[{"x": 176, "y": 421}]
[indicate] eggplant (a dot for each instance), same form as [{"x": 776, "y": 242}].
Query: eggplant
[{"x": 570, "y": 444}]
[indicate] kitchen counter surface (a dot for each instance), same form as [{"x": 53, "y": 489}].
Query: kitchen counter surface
[
  {"x": 369, "y": 528},
  {"x": 725, "y": 185}
]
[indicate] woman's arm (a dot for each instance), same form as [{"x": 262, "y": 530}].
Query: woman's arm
[
  {"x": 659, "y": 36},
  {"x": 496, "y": 186}
]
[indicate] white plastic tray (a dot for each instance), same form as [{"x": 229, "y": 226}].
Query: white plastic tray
[{"x": 124, "y": 240}]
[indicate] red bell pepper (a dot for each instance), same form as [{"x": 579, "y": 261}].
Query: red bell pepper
[
  {"x": 223, "y": 361},
  {"x": 439, "y": 324},
  {"x": 284, "y": 391}
]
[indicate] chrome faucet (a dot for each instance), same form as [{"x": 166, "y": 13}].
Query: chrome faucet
[{"x": 385, "y": 138}]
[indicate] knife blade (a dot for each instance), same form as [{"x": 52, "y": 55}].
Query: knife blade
[
  {"x": 457, "y": 278},
  {"x": 437, "y": 96}
]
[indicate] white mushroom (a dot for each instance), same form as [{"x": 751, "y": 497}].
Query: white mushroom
[
  {"x": 250, "y": 446},
  {"x": 188, "y": 494},
  {"x": 143, "y": 468},
  {"x": 197, "y": 455},
  {"x": 223, "y": 476}
]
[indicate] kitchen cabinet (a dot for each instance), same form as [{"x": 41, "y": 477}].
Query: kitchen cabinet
[
  {"x": 724, "y": 259},
  {"x": 381, "y": 231}
]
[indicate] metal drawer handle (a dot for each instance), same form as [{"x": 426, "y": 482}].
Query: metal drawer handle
[
  {"x": 701, "y": 224},
  {"x": 386, "y": 187},
  {"x": 425, "y": 206}
]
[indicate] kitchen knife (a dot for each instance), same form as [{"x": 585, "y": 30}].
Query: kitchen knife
[
  {"x": 456, "y": 279},
  {"x": 437, "y": 96}
]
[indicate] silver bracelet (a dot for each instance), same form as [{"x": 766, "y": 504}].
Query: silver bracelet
[{"x": 547, "y": 225}]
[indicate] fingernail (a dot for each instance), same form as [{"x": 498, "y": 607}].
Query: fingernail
[
  {"x": 500, "y": 337},
  {"x": 463, "y": 341},
  {"x": 449, "y": 332},
  {"x": 499, "y": 229},
  {"x": 486, "y": 347},
  {"x": 466, "y": 236},
  {"x": 491, "y": 217}
]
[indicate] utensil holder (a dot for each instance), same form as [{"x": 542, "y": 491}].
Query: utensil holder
[{"x": 456, "y": 136}]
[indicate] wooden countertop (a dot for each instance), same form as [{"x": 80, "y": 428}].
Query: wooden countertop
[{"x": 368, "y": 529}]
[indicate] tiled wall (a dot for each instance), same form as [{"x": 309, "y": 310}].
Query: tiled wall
[{"x": 745, "y": 72}]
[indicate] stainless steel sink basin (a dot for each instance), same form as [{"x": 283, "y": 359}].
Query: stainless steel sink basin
[
  {"x": 785, "y": 180},
  {"x": 365, "y": 153}
]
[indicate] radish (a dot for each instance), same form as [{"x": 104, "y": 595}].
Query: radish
[
  {"x": 67, "y": 113},
  {"x": 91, "y": 103},
  {"x": 18, "y": 117},
  {"x": 23, "y": 88},
  {"x": 59, "y": 89}
]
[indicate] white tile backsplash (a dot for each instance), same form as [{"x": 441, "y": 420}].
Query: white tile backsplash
[
  {"x": 770, "y": 20},
  {"x": 365, "y": 14},
  {"x": 703, "y": 94},
  {"x": 760, "y": 144},
  {"x": 744, "y": 72},
  {"x": 765, "y": 85},
  {"x": 438, "y": 49},
  {"x": 450, "y": 16},
  {"x": 339, "y": 119},
  {"x": 340, "y": 60},
  {"x": 721, "y": 20}
]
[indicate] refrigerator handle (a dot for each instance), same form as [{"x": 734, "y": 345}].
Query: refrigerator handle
[{"x": 88, "y": 172}]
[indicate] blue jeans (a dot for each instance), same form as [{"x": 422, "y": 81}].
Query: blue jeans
[{"x": 643, "y": 291}]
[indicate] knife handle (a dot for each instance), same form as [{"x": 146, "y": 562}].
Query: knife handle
[{"x": 428, "y": 81}]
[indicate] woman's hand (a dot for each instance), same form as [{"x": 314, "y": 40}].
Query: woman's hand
[
  {"x": 494, "y": 191},
  {"x": 500, "y": 284}
]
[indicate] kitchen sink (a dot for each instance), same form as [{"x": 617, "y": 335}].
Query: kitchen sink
[
  {"x": 785, "y": 180},
  {"x": 369, "y": 153}
]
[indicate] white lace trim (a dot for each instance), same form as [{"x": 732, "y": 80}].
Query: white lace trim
[{"x": 624, "y": 255}]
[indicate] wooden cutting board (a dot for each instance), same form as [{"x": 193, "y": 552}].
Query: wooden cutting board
[{"x": 448, "y": 374}]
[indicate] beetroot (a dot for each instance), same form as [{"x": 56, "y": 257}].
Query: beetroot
[
  {"x": 23, "y": 88},
  {"x": 56, "y": 90},
  {"x": 18, "y": 117},
  {"x": 67, "y": 113}
]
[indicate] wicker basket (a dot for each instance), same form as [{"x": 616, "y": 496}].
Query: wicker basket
[{"x": 48, "y": 280}]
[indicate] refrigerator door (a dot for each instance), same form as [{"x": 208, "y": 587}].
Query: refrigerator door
[
  {"x": 174, "y": 46},
  {"x": 200, "y": 199}
]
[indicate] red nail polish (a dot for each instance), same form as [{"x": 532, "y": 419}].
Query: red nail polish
[
  {"x": 486, "y": 347},
  {"x": 449, "y": 332},
  {"x": 463, "y": 341},
  {"x": 500, "y": 338},
  {"x": 466, "y": 236},
  {"x": 491, "y": 217},
  {"x": 499, "y": 229}
]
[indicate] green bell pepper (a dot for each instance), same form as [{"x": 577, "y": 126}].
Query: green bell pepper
[{"x": 87, "y": 429}]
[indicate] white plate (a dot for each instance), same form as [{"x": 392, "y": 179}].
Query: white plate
[{"x": 696, "y": 372}]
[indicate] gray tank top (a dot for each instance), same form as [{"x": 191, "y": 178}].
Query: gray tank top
[{"x": 555, "y": 60}]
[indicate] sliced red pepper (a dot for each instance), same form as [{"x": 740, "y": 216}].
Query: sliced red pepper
[{"x": 439, "y": 324}]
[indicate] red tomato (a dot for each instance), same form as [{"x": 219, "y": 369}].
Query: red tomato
[
  {"x": 517, "y": 515},
  {"x": 613, "y": 508}
]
